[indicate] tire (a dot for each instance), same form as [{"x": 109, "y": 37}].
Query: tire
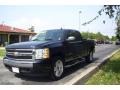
[
  {"x": 57, "y": 69},
  {"x": 89, "y": 57}
]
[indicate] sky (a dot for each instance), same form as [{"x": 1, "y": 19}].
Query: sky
[{"x": 44, "y": 17}]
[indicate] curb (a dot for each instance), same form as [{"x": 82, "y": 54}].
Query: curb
[{"x": 81, "y": 78}]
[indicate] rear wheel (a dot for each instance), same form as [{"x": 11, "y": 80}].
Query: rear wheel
[
  {"x": 57, "y": 69},
  {"x": 89, "y": 57}
]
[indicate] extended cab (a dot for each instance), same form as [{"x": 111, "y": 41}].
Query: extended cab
[{"x": 49, "y": 51}]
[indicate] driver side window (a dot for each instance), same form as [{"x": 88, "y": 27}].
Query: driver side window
[{"x": 74, "y": 34}]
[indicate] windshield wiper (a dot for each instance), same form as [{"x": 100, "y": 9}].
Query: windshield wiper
[
  {"x": 35, "y": 39},
  {"x": 42, "y": 40},
  {"x": 48, "y": 39}
]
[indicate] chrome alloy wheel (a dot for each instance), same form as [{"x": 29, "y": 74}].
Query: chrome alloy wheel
[
  {"x": 91, "y": 56},
  {"x": 58, "y": 68}
]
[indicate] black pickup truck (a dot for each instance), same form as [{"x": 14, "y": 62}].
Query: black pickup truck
[{"x": 50, "y": 51}]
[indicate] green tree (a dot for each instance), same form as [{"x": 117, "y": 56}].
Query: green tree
[
  {"x": 95, "y": 36},
  {"x": 85, "y": 35},
  {"x": 106, "y": 38},
  {"x": 113, "y": 11},
  {"x": 118, "y": 28},
  {"x": 99, "y": 36},
  {"x": 32, "y": 29},
  {"x": 113, "y": 38},
  {"x": 118, "y": 33}
]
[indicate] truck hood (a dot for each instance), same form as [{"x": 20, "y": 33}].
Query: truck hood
[{"x": 30, "y": 45}]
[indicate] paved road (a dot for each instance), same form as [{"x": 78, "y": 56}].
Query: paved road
[{"x": 7, "y": 77}]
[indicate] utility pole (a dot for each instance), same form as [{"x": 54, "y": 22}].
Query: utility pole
[{"x": 79, "y": 20}]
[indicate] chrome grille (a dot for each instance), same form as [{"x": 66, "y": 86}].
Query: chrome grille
[{"x": 19, "y": 54}]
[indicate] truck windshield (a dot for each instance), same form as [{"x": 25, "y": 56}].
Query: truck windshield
[{"x": 48, "y": 35}]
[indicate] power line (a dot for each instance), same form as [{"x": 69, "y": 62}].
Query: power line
[{"x": 96, "y": 17}]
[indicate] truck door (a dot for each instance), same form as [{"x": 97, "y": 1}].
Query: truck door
[
  {"x": 79, "y": 44},
  {"x": 70, "y": 47}
]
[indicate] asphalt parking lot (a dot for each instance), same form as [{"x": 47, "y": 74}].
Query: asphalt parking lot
[{"x": 6, "y": 77}]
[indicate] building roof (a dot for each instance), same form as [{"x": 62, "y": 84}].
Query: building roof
[{"x": 9, "y": 29}]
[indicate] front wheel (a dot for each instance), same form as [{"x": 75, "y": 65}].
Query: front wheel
[
  {"x": 89, "y": 57},
  {"x": 57, "y": 69}
]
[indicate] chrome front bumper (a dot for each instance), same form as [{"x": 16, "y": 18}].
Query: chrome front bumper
[{"x": 22, "y": 64}]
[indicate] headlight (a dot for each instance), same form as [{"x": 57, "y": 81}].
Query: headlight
[
  {"x": 46, "y": 53},
  {"x": 41, "y": 53}
]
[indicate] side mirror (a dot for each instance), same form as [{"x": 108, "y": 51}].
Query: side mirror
[{"x": 71, "y": 38}]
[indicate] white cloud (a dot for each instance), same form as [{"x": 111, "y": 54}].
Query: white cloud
[
  {"x": 26, "y": 23},
  {"x": 39, "y": 24}
]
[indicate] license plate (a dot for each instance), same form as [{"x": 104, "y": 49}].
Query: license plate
[{"x": 14, "y": 69}]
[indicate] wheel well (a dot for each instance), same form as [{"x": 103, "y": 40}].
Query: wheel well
[{"x": 59, "y": 55}]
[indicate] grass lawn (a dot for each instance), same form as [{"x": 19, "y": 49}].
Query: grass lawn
[
  {"x": 108, "y": 74},
  {"x": 2, "y": 52}
]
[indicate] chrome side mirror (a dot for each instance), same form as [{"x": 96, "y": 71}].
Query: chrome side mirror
[{"x": 71, "y": 38}]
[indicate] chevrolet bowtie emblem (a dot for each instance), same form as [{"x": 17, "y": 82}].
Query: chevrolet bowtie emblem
[{"x": 16, "y": 53}]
